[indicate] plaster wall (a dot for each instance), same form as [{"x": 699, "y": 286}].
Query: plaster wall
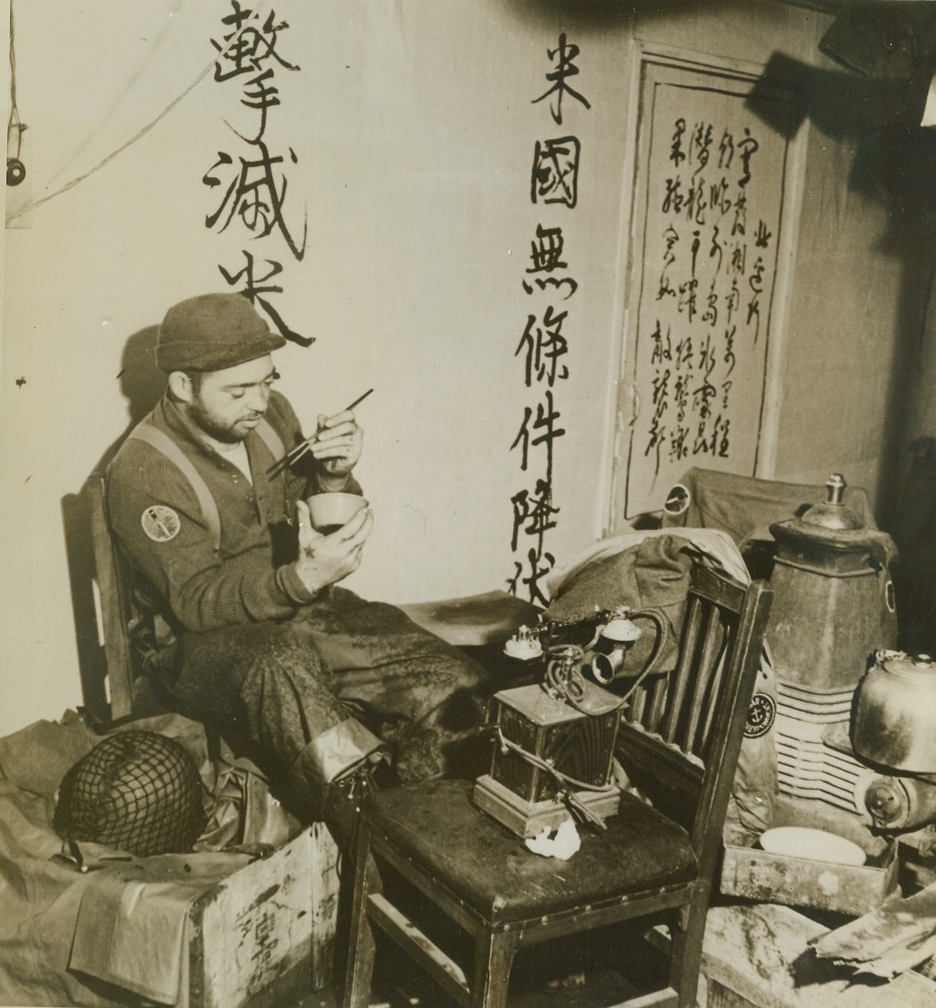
[{"x": 412, "y": 125}]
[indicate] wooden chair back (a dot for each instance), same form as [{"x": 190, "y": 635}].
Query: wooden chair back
[
  {"x": 117, "y": 612},
  {"x": 681, "y": 733}
]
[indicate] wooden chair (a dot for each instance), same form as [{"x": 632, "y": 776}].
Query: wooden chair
[
  {"x": 680, "y": 744},
  {"x": 119, "y": 617}
]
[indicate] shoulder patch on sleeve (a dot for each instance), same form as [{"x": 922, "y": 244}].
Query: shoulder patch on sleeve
[{"x": 160, "y": 523}]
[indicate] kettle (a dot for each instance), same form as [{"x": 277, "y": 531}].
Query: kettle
[{"x": 894, "y": 714}]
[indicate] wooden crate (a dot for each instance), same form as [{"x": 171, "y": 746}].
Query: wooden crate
[
  {"x": 272, "y": 918},
  {"x": 756, "y": 874}
]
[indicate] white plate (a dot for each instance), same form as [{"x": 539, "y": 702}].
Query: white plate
[{"x": 814, "y": 844}]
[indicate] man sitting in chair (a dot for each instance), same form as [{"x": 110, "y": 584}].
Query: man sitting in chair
[{"x": 322, "y": 686}]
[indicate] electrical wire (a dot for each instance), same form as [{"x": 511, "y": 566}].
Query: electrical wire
[
  {"x": 12, "y": 62},
  {"x": 533, "y": 759},
  {"x": 124, "y": 92},
  {"x": 235, "y": 38},
  {"x": 13, "y": 123}
]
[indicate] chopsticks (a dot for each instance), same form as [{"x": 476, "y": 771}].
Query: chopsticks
[{"x": 296, "y": 453}]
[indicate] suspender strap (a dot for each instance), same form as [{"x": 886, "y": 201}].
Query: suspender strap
[
  {"x": 270, "y": 438},
  {"x": 161, "y": 441}
]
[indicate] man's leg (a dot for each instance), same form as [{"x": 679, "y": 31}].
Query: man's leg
[
  {"x": 272, "y": 695},
  {"x": 422, "y": 696}
]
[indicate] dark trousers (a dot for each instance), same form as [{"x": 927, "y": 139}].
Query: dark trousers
[{"x": 312, "y": 697}]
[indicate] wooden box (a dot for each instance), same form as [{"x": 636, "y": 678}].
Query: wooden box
[
  {"x": 269, "y": 924},
  {"x": 579, "y": 745},
  {"x": 524, "y": 796},
  {"x": 803, "y": 882}
]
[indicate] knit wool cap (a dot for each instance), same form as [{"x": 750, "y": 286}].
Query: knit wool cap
[{"x": 212, "y": 332}]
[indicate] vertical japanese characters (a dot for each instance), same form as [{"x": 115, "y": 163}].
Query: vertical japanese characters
[
  {"x": 543, "y": 348},
  {"x": 706, "y": 274},
  {"x": 251, "y": 180},
  {"x": 709, "y": 289}
]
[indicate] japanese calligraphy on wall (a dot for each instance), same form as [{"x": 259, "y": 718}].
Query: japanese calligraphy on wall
[
  {"x": 251, "y": 178},
  {"x": 543, "y": 348},
  {"x": 708, "y": 214}
]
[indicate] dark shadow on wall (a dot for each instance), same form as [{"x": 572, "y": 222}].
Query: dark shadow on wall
[
  {"x": 143, "y": 384},
  {"x": 140, "y": 380},
  {"x": 605, "y": 15},
  {"x": 894, "y": 164},
  {"x": 878, "y": 112},
  {"x": 914, "y": 532}
]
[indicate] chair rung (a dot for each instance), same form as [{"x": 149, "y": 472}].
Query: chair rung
[
  {"x": 663, "y": 998},
  {"x": 444, "y": 970}
]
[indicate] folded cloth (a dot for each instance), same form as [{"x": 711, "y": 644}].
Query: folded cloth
[
  {"x": 36, "y": 757},
  {"x": 745, "y": 507},
  {"x": 891, "y": 939},
  {"x": 121, "y": 920},
  {"x": 132, "y": 924}
]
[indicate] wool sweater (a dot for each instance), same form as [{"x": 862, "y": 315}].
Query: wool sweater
[{"x": 197, "y": 582}]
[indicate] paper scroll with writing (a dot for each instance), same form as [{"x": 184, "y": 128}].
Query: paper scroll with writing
[{"x": 708, "y": 207}]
